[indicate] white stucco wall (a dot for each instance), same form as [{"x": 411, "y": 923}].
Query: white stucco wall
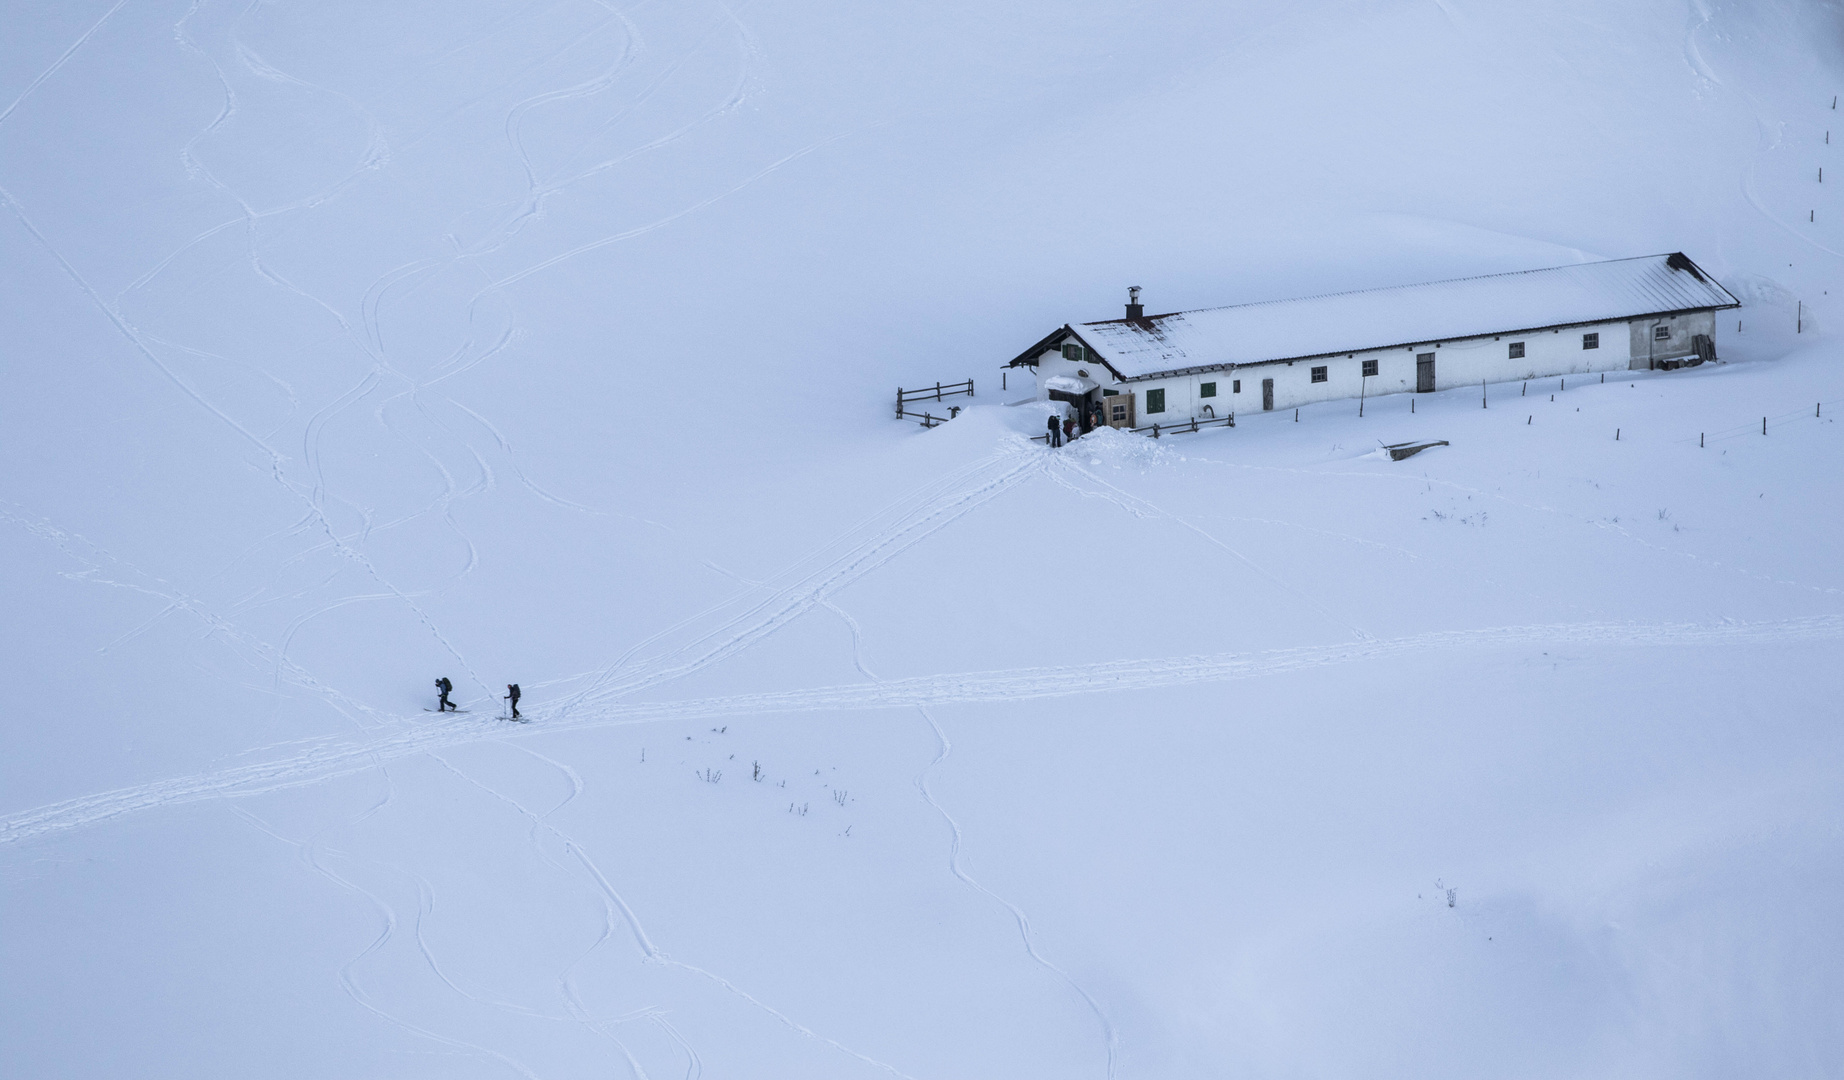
[
  {"x": 1466, "y": 362},
  {"x": 1456, "y": 363}
]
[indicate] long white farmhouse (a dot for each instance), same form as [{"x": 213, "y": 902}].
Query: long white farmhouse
[{"x": 1653, "y": 312}]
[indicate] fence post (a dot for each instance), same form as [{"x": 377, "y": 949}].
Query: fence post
[
  {"x": 969, "y": 387},
  {"x": 1155, "y": 431},
  {"x": 937, "y": 391}
]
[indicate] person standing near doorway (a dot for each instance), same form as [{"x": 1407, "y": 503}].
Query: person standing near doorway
[{"x": 1056, "y": 432}]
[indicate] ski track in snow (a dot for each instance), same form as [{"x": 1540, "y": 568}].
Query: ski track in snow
[
  {"x": 60, "y": 61},
  {"x": 616, "y": 909},
  {"x": 327, "y": 759},
  {"x": 1139, "y": 507},
  {"x": 956, "y": 842},
  {"x": 377, "y": 155},
  {"x": 914, "y": 519},
  {"x": 312, "y": 852}
]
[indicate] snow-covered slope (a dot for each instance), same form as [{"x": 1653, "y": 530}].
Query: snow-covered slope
[{"x": 346, "y": 346}]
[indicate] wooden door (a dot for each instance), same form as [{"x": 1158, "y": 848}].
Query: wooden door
[
  {"x": 1424, "y": 373},
  {"x": 1267, "y": 395},
  {"x": 1118, "y": 410}
]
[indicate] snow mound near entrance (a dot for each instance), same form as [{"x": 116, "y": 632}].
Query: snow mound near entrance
[{"x": 1123, "y": 449}]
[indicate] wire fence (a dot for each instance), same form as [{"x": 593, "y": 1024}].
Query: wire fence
[{"x": 1764, "y": 427}]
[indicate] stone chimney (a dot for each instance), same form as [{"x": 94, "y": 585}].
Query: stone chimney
[{"x": 1134, "y": 308}]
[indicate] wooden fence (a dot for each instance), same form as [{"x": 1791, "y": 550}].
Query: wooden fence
[
  {"x": 933, "y": 393},
  {"x": 1183, "y": 427},
  {"x": 927, "y": 420},
  {"x": 930, "y": 393}
]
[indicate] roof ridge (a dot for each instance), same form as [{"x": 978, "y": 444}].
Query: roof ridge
[{"x": 1378, "y": 289}]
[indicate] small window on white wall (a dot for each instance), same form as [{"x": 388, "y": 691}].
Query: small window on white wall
[
  {"x": 1517, "y": 350},
  {"x": 1661, "y": 333},
  {"x": 1591, "y": 341},
  {"x": 1370, "y": 367},
  {"x": 1072, "y": 352}
]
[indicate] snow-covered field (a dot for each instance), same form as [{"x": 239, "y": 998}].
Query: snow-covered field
[{"x": 344, "y": 346}]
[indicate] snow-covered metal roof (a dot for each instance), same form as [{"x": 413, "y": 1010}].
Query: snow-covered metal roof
[{"x": 1404, "y": 315}]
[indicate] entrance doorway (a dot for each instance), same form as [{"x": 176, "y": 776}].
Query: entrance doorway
[
  {"x": 1424, "y": 373},
  {"x": 1267, "y": 395},
  {"x": 1083, "y": 404}
]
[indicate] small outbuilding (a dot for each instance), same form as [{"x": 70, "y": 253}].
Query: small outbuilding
[{"x": 1655, "y": 312}]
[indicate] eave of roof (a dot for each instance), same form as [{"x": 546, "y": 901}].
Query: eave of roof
[{"x": 1028, "y": 358}]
